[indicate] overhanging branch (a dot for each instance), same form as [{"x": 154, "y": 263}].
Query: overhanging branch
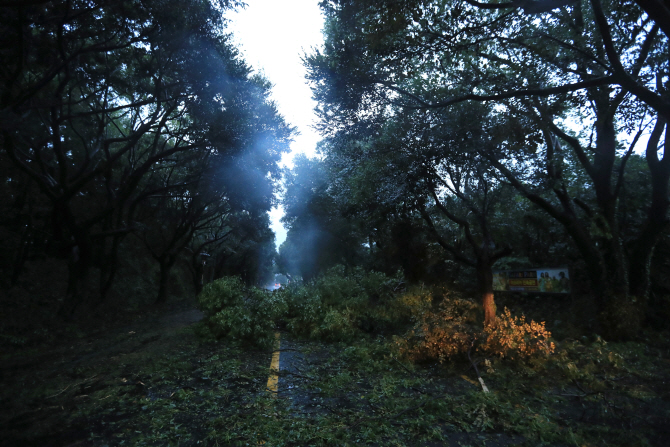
[
  {"x": 424, "y": 104},
  {"x": 528, "y": 6}
]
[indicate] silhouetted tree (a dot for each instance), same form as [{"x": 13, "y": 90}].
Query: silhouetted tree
[{"x": 110, "y": 109}]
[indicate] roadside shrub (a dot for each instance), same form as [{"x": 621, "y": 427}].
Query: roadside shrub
[
  {"x": 591, "y": 362},
  {"x": 380, "y": 288},
  {"x": 222, "y": 293},
  {"x": 337, "y": 289},
  {"x": 270, "y": 306},
  {"x": 339, "y": 325},
  {"x": 415, "y": 302},
  {"x": 442, "y": 334},
  {"x": 513, "y": 337},
  {"x": 239, "y": 313},
  {"x": 622, "y": 319},
  {"x": 340, "y": 305},
  {"x": 456, "y": 327},
  {"x": 305, "y": 310}
]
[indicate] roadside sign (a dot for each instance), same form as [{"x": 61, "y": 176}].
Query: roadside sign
[{"x": 542, "y": 280}]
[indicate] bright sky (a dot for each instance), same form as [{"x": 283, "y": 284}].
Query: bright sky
[{"x": 273, "y": 35}]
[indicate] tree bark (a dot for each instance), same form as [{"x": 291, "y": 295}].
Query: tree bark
[
  {"x": 485, "y": 276},
  {"x": 197, "y": 269},
  {"x": 78, "y": 266},
  {"x": 166, "y": 265},
  {"x": 657, "y": 216},
  {"x": 108, "y": 267}
]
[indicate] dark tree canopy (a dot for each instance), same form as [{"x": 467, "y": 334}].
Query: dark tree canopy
[
  {"x": 562, "y": 92},
  {"x": 128, "y": 118}
]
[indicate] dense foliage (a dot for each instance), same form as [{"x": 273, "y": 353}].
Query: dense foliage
[
  {"x": 344, "y": 306},
  {"x": 336, "y": 306},
  {"x": 138, "y": 160},
  {"x": 132, "y": 135},
  {"x": 487, "y": 121},
  {"x": 239, "y": 313}
]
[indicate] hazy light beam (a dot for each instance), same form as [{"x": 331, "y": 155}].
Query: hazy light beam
[{"x": 273, "y": 36}]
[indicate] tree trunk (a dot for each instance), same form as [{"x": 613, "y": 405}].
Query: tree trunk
[
  {"x": 166, "y": 265},
  {"x": 485, "y": 280},
  {"x": 620, "y": 312},
  {"x": 108, "y": 268},
  {"x": 657, "y": 217},
  {"x": 198, "y": 277},
  {"x": 640, "y": 259},
  {"x": 78, "y": 266},
  {"x": 197, "y": 269}
]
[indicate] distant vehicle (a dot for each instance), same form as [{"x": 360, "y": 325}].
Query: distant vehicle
[
  {"x": 272, "y": 287},
  {"x": 280, "y": 281}
]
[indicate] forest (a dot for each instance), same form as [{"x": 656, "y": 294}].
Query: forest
[{"x": 479, "y": 254}]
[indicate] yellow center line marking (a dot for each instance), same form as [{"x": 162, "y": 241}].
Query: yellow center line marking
[{"x": 273, "y": 378}]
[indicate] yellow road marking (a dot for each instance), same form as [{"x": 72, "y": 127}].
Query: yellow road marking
[{"x": 273, "y": 379}]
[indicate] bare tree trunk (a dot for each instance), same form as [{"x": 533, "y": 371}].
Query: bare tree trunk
[
  {"x": 198, "y": 277},
  {"x": 657, "y": 217},
  {"x": 108, "y": 268},
  {"x": 485, "y": 280},
  {"x": 166, "y": 264},
  {"x": 78, "y": 267}
]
